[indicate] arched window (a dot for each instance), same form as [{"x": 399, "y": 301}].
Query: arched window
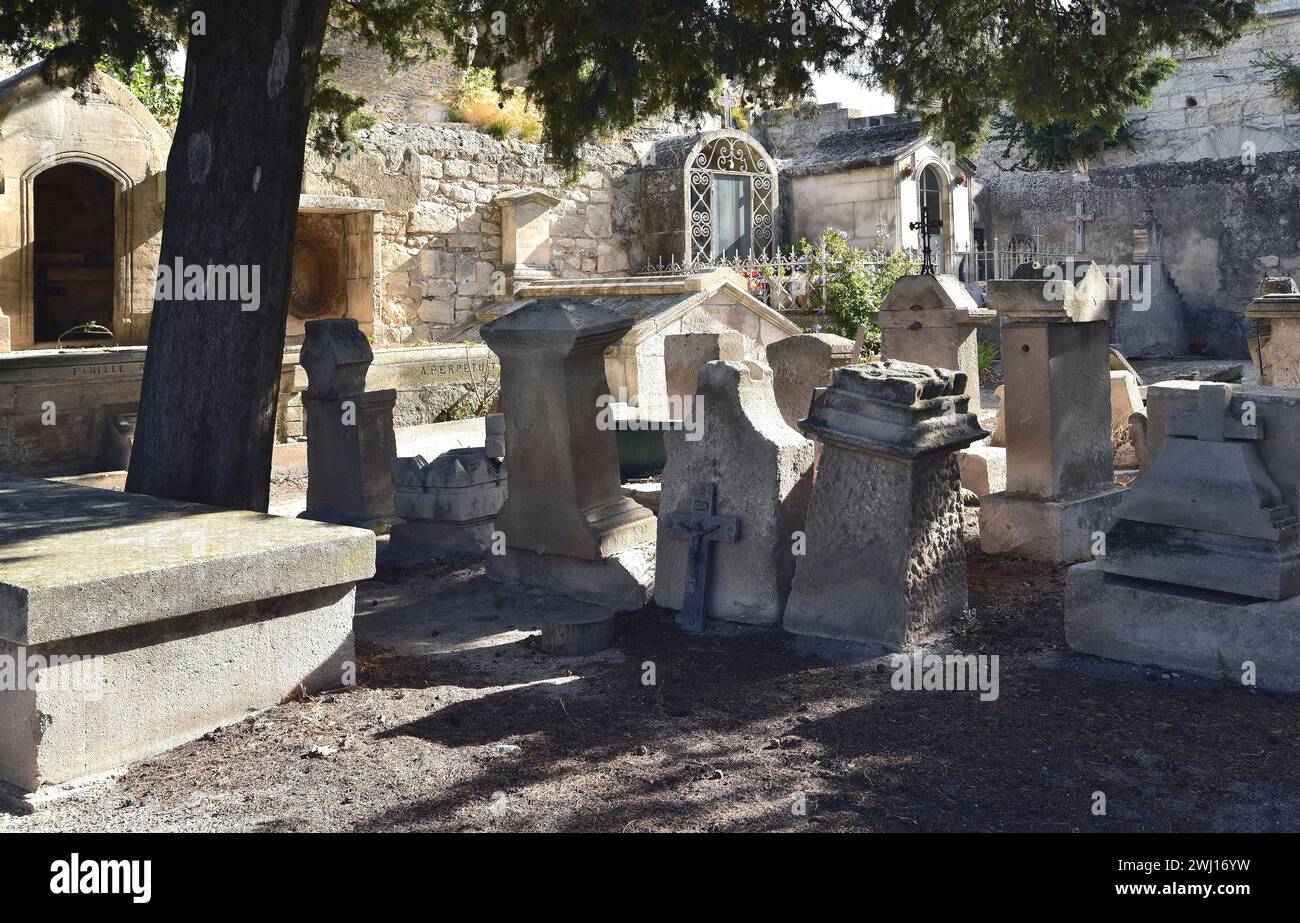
[
  {"x": 732, "y": 192},
  {"x": 930, "y": 191},
  {"x": 74, "y": 257}
]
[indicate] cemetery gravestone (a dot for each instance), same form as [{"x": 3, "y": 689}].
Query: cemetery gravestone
[
  {"x": 566, "y": 523},
  {"x": 885, "y": 562},
  {"x": 1060, "y": 476},
  {"x": 151, "y": 622},
  {"x": 1202, "y": 569},
  {"x": 762, "y": 472},
  {"x": 686, "y": 353},
  {"x": 800, "y": 364},
  {"x": 350, "y": 444},
  {"x": 1276, "y": 350}
]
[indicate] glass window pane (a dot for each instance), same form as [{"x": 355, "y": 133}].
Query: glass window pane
[{"x": 731, "y": 216}]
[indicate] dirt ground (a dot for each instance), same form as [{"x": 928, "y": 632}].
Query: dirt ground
[{"x": 460, "y": 723}]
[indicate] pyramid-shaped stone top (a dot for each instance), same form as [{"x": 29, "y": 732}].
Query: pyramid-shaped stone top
[
  {"x": 556, "y": 324},
  {"x": 943, "y": 299}
]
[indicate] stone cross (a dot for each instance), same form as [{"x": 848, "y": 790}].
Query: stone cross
[
  {"x": 727, "y": 101},
  {"x": 1080, "y": 217},
  {"x": 702, "y": 526},
  {"x": 1212, "y": 421}
]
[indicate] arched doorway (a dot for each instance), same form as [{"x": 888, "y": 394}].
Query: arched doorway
[
  {"x": 74, "y": 253},
  {"x": 930, "y": 192}
]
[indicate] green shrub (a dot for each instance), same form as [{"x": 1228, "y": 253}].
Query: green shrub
[{"x": 846, "y": 283}]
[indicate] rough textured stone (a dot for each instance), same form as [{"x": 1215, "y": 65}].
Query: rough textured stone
[
  {"x": 565, "y": 506},
  {"x": 762, "y": 470},
  {"x": 197, "y": 615},
  {"x": 885, "y": 561},
  {"x": 802, "y": 363},
  {"x": 1276, "y": 313}
]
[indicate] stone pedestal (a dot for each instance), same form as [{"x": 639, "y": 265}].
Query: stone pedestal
[
  {"x": 686, "y": 353},
  {"x": 762, "y": 471},
  {"x": 567, "y": 525},
  {"x": 1060, "y": 480},
  {"x": 1201, "y": 571},
  {"x": 350, "y": 439},
  {"x": 143, "y": 623},
  {"x": 932, "y": 320},
  {"x": 449, "y": 503},
  {"x": 885, "y": 562},
  {"x": 1276, "y": 346},
  {"x": 800, "y": 364},
  {"x": 525, "y": 238}
]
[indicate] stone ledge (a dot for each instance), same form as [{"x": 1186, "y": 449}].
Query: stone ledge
[
  {"x": 76, "y": 561},
  {"x": 1208, "y": 634}
]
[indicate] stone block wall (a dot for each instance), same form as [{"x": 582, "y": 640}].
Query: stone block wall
[
  {"x": 441, "y": 234},
  {"x": 1225, "y": 225}
]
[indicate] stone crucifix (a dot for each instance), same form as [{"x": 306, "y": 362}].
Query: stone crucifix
[
  {"x": 1080, "y": 218},
  {"x": 701, "y": 526},
  {"x": 728, "y": 101}
]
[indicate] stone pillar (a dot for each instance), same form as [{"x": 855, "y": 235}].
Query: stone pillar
[
  {"x": 686, "y": 353},
  {"x": 932, "y": 320},
  {"x": 1275, "y": 346},
  {"x": 800, "y": 364},
  {"x": 762, "y": 471},
  {"x": 568, "y": 527},
  {"x": 1060, "y": 476},
  {"x": 350, "y": 440},
  {"x": 884, "y": 561}
]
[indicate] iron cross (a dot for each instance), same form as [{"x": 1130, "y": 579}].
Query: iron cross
[
  {"x": 925, "y": 226},
  {"x": 702, "y": 526}
]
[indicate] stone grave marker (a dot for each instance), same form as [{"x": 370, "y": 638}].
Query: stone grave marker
[
  {"x": 1060, "y": 477},
  {"x": 762, "y": 472},
  {"x": 1201, "y": 570},
  {"x": 800, "y": 364},
  {"x": 686, "y": 353},
  {"x": 885, "y": 562},
  {"x": 567, "y": 526},
  {"x": 350, "y": 439},
  {"x": 1276, "y": 345}
]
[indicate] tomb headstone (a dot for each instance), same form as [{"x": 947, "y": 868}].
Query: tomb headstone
[
  {"x": 1276, "y": 313},
  {"x": 761, "y": 470},
  {"x": 449, "y": 503},
  {"x": 800, "y": 364},
  {"x": 885, "y": 562},
  {"x": 686, "y": 353},
  {"x": 350, "y": 438},
  {"x": 525, "y": 237},
  {"x": 1201, "y": 570},
  {"x": 146, "y": 623},
  {"x": 567, "y": 525},
  {"x": 1060, "y": 477},
  {"x": 932, "y": 320}
]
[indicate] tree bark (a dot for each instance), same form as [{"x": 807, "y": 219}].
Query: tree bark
[{"x": 206, "y": 424}]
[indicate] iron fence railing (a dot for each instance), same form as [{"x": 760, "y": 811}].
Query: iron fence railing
[{"x": 785, "y": 279}]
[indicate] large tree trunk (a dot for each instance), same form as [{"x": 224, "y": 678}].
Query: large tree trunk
[{"x": 211, "y": 377}]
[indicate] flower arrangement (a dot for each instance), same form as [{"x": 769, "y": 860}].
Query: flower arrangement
[{"x": 908, "y": 171}]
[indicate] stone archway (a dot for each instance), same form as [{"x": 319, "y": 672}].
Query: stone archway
[
  {"x": 74, "y": 250},
  {"x": 62, "y": 287}
]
